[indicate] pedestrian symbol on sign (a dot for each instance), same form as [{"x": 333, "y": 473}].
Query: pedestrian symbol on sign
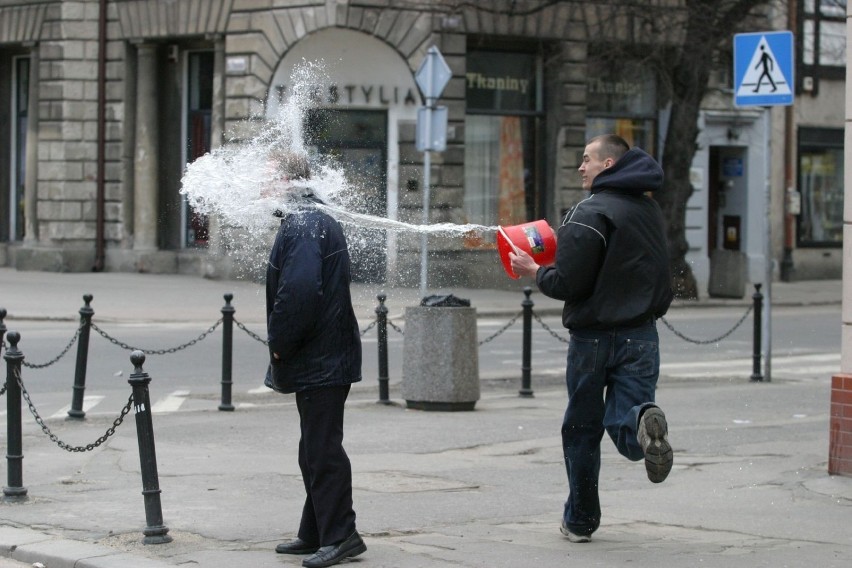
[{"x": 768, "y": 65}]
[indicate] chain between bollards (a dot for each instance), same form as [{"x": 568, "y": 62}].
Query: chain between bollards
[
  {"x": 227, "y": 352},
  {"x": 14, "y": 490},
  {"x": 155, "y": 532},
  {"x": 756, "y": 375},
  {"x": 526, "y": 356},
  {"x": 382, "y": 330},
  {"x": 86, "y": 313}
]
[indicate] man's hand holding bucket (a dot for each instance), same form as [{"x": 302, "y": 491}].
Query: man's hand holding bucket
[{"x": 523, "y": 264}]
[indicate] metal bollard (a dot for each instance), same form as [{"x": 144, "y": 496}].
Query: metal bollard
[
  {"x": 382, "y": 326},
  {"x": 155, "y": 532},
  {"x": 86, "y": 313},
  {"x": 227, "y": 352},
  {"x": 756, "y": 376},
  {"x": 526, "y": 356},
  {"x": 15, "y": 491}
]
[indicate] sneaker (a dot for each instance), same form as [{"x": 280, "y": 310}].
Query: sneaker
[
  {"x": 574, "y": 537},
  {"x": 653, "y": 437}
]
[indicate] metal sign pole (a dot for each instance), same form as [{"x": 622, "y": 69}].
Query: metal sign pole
[
  {"x": 427, "y": 170},
  {"x": 424, "y": 238},
  {"x": 767, "y": 302},
  {"x": 765, "y": 59},
  {"x": 431, "y": 77}
]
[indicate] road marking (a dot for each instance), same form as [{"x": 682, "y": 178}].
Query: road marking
[
  {"x": 170, "y": 403},
  {"x": 791, "y": 365},
  {"x": 89, "y": 402}
]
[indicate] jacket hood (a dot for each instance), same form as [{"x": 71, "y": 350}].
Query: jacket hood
[{"x": 635, "y": 172}]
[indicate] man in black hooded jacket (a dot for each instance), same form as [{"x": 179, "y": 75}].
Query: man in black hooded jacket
[
  {"x": 315, "y": 352},
  {"x": 612, "y": 272}
]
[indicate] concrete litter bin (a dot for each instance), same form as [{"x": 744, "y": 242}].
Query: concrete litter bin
[
  {"x": 727, "y": 274},
  {"x": 440, "y": 367}
]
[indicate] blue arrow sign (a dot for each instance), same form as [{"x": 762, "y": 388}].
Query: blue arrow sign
[{"x": 763, "y": 69}]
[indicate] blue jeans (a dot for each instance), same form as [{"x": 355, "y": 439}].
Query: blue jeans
[{"x": 611, "y": 378}]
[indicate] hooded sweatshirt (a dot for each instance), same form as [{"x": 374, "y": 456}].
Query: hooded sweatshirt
[{"x": 612, "y": 266}]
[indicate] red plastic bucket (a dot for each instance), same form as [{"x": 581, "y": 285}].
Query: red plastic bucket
[{"x": 536, "y": 239}]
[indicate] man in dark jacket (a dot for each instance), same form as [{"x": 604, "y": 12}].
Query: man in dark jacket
[
  {"x": 315, "y": 350},
  {"x": 612, "y": 272}
]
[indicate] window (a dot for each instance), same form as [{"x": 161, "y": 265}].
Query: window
[
  {"x": 822, "y": 49},
  {"x": 621, "y": 98},
  {"x": 198, "y": 132},
  {"x": 820, "y": 222},
  {"x": 503, "y": 97}
]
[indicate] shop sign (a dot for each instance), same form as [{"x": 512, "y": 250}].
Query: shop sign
[
  {"x": 497, "y": 81},
  {"x": 353, "y": 94}
]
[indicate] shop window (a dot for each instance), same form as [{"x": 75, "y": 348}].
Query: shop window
[
  {"x": 621, "y": 98},
  {"x": 820, "y": 222},
  {"x": 199, "y": 107},
  {"x": 503, "y": 99}
]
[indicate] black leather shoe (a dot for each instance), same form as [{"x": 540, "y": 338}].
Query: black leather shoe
[
  {"x": 297, "y": 546},
  {"x": 332, "y": 554}
]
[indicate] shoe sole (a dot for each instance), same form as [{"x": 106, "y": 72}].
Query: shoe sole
[
  {"x": 578, "y": 538},
  {"x": 658, "y": 454}
]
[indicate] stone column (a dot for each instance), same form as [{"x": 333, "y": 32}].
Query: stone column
[
  {"x": 31, "y": 235},
  {"x": 145, "y": 185}
]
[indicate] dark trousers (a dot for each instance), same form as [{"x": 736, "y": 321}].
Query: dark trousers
[
  {"x": 327, "y": 517},
  {"x": 611, "y": 378}
]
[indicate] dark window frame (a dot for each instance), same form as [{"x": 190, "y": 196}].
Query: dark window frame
[
  {"x": 814, "y": 138},
  {"x": 816, "y": 70}
]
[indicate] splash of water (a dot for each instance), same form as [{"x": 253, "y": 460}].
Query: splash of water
[{"x": 240, "y": 185}]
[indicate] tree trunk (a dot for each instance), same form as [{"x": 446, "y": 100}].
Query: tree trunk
[{"x": 690, "y": 76}]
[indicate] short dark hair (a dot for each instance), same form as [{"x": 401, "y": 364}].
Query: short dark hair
[{"x": 611, "y": 146}]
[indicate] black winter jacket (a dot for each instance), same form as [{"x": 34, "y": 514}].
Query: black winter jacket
[
  {"x": 310, "y": 320},
  {"x": 612, "y": 266}
]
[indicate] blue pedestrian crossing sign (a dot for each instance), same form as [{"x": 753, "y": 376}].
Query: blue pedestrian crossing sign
[{"x": 763, "y": 69}]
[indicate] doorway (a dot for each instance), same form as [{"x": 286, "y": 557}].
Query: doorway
[
  {"x": 727, "y": 199},
  {"x": 356, "y": 142},
  {"x": 727, "y": 213}
]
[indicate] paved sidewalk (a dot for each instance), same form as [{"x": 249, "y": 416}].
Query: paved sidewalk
[{"x": 459, "y": 489}]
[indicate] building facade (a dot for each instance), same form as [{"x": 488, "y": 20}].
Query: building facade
[{"x": 104, "y": 102}]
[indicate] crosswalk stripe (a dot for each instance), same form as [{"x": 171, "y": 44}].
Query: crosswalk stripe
[
  {"x": 89, "y": 402},
  {"x": 735, "y": 363},
  {"x": 777, "y": 370},
  {"x": 170, "y": 403}
]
